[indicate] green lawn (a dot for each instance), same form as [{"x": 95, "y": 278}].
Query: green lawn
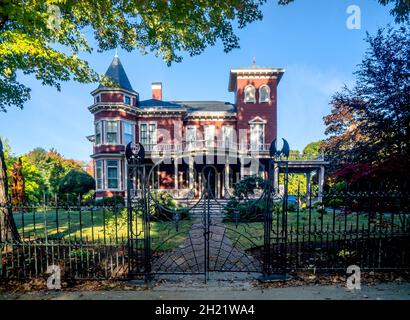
[
  {"x": 249, "y": 235},
  {"x": 90, "y": 226}
]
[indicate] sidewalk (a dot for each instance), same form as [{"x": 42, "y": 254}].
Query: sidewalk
[{"x": 381, "y": 291}]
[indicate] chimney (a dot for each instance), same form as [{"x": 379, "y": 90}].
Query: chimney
[{"x": 156, "y": 90}]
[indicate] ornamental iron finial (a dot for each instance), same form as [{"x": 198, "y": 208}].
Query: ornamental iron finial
[
  {"x": 275, "y": 153},
  {"x": 135, "y": 153}
]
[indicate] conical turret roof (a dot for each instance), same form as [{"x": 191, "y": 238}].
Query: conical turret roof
[{"x": 116, "y": 73}]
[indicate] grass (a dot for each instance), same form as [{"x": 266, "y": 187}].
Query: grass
[
  {"x": 97, "y": 226},
  {"x": 250, "y": 235},
  {"x": 164, "y": 235}
]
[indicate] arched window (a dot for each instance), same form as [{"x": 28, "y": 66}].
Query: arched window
[
  {"x": 249, "y": 94},
  {"x": 264, "y": 94}
]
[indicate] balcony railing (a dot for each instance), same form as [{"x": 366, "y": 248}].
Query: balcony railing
[{"x": 209, "y": 145}]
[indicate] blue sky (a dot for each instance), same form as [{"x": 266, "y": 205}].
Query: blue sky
[{"x": 307, "y": 38}]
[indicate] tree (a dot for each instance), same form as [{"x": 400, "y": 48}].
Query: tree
[
  {"x": 400, "y": 10},
  {"x": 246, "y": 186},
  {"x": 18, "y": 189},
  {"x": 43, "y": 171},
  {"x": 77, "y": 182},
  {"x": 32, "y": 32},
  {"x": 8, "y": 229},
  {"x": 313, "y": 148},
  {"x": 369, "y": 124}
]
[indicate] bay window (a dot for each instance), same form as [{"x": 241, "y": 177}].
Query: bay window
[
  {"x": 128, "y": 133},
  {"x": 98, "y": 131},
  {"x": 99, "y": 174},
  {"x": 112, "y": 132},
  {"x": 112, "y": 174}
]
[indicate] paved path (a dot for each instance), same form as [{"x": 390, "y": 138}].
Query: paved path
[
  {"x": 190, "y": 257},
  {"x": 384, "y": 291}
]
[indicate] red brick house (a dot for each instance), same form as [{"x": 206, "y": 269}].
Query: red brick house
[{"x": 185, "y": 135}]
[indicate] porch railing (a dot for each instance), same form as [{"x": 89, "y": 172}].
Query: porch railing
[{"x": 208, "y": 145}]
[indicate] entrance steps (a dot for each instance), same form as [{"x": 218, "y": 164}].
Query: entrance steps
[{"x": 216, "y": 208}]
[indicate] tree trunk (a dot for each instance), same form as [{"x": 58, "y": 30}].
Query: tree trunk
[{"x": 8, "y": 229}]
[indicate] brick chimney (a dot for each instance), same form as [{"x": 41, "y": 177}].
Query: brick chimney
[{"x": 156, "y": 88}]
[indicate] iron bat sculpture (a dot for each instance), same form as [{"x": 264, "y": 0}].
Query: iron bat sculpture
[
  {"x": 274, "y": 152},
  {"x": 135, "y": 153}
]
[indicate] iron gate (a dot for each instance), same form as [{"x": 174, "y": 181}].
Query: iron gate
[{"x": 200, "y": 235}]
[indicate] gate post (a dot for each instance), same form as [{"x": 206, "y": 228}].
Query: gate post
[
  {"x": 267, "y": 223},
  {"x": 274, "y": 160},
  {"x": 146, "y": 226}
]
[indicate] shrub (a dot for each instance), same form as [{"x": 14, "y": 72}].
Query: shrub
[
  {"x": 164, "y": 207},
  {"x": 111, "y": 201},
  {"x": 335, "y": 203},
  {"x": 248, "y": 210},
  {"x": 292, "y": 207}
]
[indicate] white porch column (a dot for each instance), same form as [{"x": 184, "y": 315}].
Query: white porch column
[
  {"x": 321, "y": 181},
  {"x": 308, "y": 191},
  {"x": 242, "y": 172},
  {"x": 191, "y": 173},
  {"x": 176, "y": 175},
  {"x": 276, "y": 178},
  {"x": 226, "y": 182}
]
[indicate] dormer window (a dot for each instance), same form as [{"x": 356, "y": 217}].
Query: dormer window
[
  {"x": 127, "y": 100},
  {"x": 264, "y": 94},
  {"x": 250, "y": 94}
]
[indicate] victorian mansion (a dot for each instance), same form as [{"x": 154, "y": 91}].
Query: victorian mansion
[{"x": 185, "y": 136}]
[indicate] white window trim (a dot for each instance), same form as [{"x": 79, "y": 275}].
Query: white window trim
[
  {"x": 127, "y": 96},
  {"x": 207, "y": 127},
  {"x": 260, "y": 88},
  {"x": 118, "y": 175},
  {"x": 257, "y": 120},
  {"x": 102, "y": 176},
  {"x": 195, "y": 132},
  {"x": 132, "y": 124},
  {"x": 148, "y": 123},
  {"x": 254, "y": 94},
  {"x": 263, "y": 132},
  {"x": 118, "y": 142},
  {"x": 232, "y": 136},
  {"x": 101, "y": 123}
]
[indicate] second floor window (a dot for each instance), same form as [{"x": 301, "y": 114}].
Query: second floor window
[
  {"x": 98, "y": 130},
  {"x": 112, "y": 132},
  {"x": 112, "y": 174},
  {"x": 98, "y": 174},
  {"x": 209, "y": 135},
  {"x": 227, "y": 136},
  {"x": 148, "y": 134},
  {"x": 128, "y": 133},
  {"x": 257, "y": 135}
]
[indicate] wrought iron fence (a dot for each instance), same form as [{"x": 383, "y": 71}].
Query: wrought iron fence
[
  {"x": 367, "y": 229},
  {"x": 371, "y": 230}
]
